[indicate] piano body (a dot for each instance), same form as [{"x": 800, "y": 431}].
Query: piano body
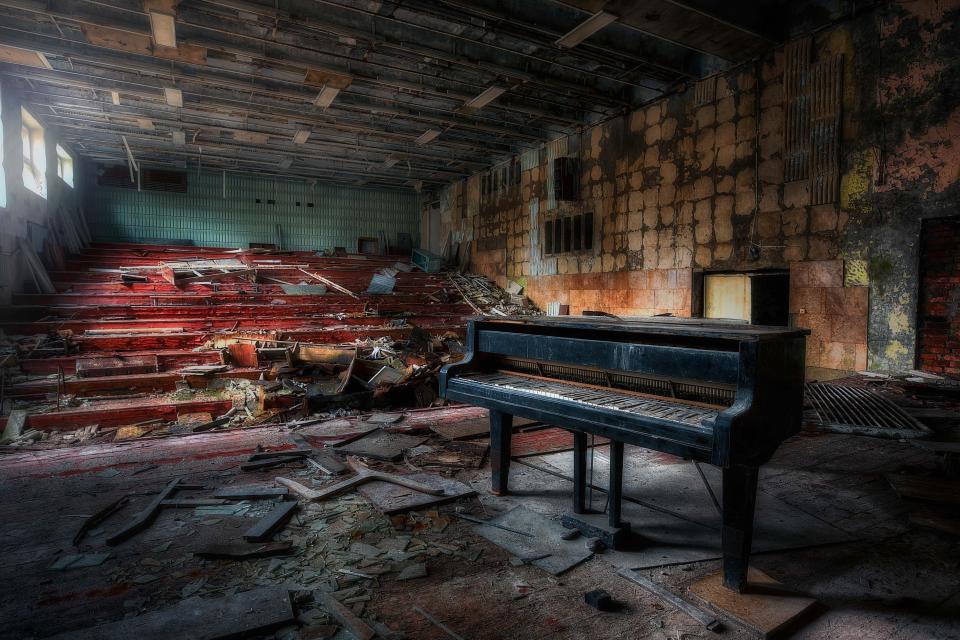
[{"x": 710, "y": 391}]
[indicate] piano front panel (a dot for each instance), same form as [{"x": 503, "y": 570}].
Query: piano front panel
[{"x": 592, "y": 351}]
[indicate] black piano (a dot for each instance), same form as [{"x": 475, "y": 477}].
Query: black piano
[{"x": 709, "y": 391}]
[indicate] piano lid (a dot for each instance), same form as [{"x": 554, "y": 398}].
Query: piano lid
[{"x": 659, "y": 325}]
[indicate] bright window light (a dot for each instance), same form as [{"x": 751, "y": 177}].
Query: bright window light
[
  {"x": 3, "y": 174},
  {"x": 34, "y": 154},
  {"x": 64, "y": 165}
]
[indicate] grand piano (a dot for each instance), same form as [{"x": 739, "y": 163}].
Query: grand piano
[{"x": 710, "y": 391}]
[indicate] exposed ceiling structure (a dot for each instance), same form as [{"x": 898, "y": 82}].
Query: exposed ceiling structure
[{"x": 402, "y": 93}]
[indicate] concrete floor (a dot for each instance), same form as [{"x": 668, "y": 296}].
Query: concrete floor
[{"x": 887, "y": 582}]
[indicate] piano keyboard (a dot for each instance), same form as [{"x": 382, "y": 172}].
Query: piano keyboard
[{"x": 627, "y": 403}]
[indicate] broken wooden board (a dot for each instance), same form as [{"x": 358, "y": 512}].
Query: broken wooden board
[
  {"x": 767, "y": 611},
  {"x": 243, "y": 354},
  {"x": 544, "y": 547},
  {"x": 381, "y": 445},
  {"x": 357, "y": 627},
  {"x": 235, "y": 616},
  {"x": 116, "y": 366},
  {"x": 461, "y": 455},
  {"x": 251, "y": 492},
  {"x": 240, "y": 551},
  {"x": 269, "y": 524},
  {"x": 390, "y": 498},
  {"x": 463, "y": 430},
  {"x": 925, "y": 489},
  {"x": 143, "y": 519}
]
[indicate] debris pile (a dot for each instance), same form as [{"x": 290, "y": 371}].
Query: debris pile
[{"x": 486, "y": 298}]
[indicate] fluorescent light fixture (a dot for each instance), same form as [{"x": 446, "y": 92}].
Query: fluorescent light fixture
[
  {"x": 178, "y": 138},
  {"x": 115, "y": 97},
  {"x": 487, "y": 96},
  {"x": 164, "y": 29},
  {"x": 174, "y": 97},
  {"x": 285, "y": 162},
  {"x": 585, "y": 29},
  {"x": 426, "y": 137},
  {"x": 326, "y": 97},
  {"x": 300, "y": 137},
  {"x": 389, "y": 162}
]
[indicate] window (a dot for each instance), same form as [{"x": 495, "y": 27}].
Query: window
[
  {"x": 3, "y": 175},
  {"x": 34, "y": 154},
  {"x": 568, "y": 234},
  {"x": 64, "y": 165}
]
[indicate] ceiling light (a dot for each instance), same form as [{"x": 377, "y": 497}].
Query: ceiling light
[
  {"x": 487, "y": 96},
  {"x": 115, "y": 97},
  {"x": 178, "y": 138},
  {"x": 174, "y": 97},
  {"x": 163, "y": 27},
  {"x": 300, "y": 137},
  {"x": 326, "y": 97},
  {"x": 285, "y": 162},
  {"x": 427, "y": 136},
  {"x": 389, "y": 162},
  {"x": 586, "y": 29}
]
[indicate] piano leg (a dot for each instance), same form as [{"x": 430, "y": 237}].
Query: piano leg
[
  {"x": 739, "y": 501},
  {"x": 501, "y": 430},
  {"x": 579, "y": 472},
  {"x": 615, "y": 495}
]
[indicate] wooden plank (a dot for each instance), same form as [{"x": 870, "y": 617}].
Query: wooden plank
[
  {"x": 235, "y": 616},
  {"x": 143, "y": 519},
  {"x": 213, "y": 277},
  {"x": 708, "y": 621},
  {"x": 240, "y": 551},
  {"x": 264, "y": 528},
  {"x": 251, "y": 492},
  {"x": 344, "y": 616},
  {"x": 766, "y": 609}
]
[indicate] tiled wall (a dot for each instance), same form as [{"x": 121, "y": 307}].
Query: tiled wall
[
  {"x": 835, "y": 314},
  {"x": 624, "y": 293},
  {"x": 338, "y": 215}
]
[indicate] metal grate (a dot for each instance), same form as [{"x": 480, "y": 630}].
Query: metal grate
[
  {"x": 859, "y": 411},
  {"x": 796, "y": 164},
  {"x": 826, "y": 94}
]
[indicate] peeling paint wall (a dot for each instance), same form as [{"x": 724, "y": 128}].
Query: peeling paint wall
[{"x": 696, "y": 182}]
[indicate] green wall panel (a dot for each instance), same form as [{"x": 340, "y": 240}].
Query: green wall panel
[{"x": 339, "y": 215}]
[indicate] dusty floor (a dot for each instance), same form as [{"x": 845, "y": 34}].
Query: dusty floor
[{"x": 888, "y": 581}]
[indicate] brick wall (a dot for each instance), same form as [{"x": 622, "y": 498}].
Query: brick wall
[
  {"x": 939, "y": 314},
  {"x": 835, "y": 314}
]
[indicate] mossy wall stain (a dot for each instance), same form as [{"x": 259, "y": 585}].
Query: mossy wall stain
[{"x": 903, "y": 163}]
